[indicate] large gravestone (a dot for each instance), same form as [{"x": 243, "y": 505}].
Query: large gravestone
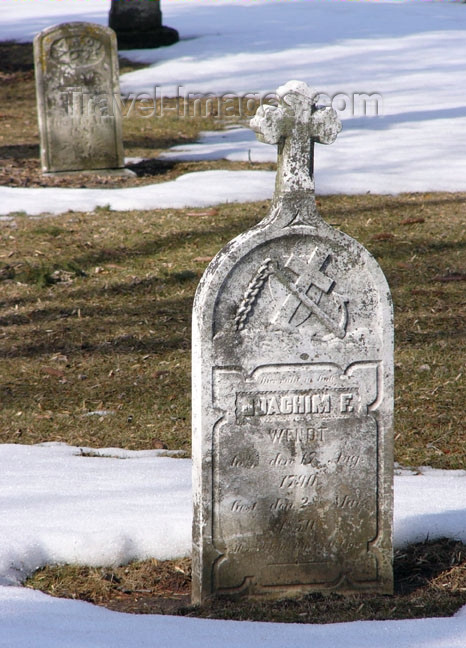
[
  {"x": 138, "y": 24},
  {"x": 77, "y": 86},
  {"x": 292, "y": 393}
]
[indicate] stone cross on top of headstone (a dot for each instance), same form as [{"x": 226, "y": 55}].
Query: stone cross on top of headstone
[
  {"x": 295, "y": 124},
  {"x": 292, "y": 393}
]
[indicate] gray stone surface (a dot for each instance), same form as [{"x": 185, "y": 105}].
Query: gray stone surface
[
  {"x": 138, "y": 24},
  {"x": 77, "y": 87},
  {"x": 292, "y": 393}
]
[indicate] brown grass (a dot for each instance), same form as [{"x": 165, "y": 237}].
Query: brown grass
[
  {"x": 430, "y": 580},
  {"x": 96, "y": 307}
]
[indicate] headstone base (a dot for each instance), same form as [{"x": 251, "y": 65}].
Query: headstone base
[
  {"x": 100, "y": 172},
  {"x": 160, "y": 37}
]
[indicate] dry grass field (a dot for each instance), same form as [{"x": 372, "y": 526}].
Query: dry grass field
[{"x": 95, "y": 313}]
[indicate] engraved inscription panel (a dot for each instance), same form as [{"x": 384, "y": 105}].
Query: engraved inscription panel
[{"x": 296, "y": 499}]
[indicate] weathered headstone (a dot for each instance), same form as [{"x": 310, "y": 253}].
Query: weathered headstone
[
  {"x": 77, "y": 86},
  {"x": 138, "y": 24},
  {"x": 292, "y": 393}
]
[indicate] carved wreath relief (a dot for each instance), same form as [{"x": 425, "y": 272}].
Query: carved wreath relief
[{"x": 77, "y": 50}]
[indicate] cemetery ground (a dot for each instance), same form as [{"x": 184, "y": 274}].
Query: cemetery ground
[
  {"x": 95, "y": 314},
  {"x": 144, "y": 136}
]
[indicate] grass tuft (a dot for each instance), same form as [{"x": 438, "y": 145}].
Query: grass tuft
[{"x": 430, "y": 580}]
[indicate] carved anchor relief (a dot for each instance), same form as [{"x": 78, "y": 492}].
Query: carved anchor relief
[{"x": 305, "y": 283}]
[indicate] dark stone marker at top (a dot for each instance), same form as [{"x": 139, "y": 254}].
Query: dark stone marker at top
[
  {"x": 292, "y": 393},
  {"x": 138, "y": 24}
]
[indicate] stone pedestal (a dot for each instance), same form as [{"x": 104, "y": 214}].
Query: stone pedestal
[
  {"x": 77, "y": 87},
  {"x": 138, "y": 24},
  {"x": 292, "y": 394}
]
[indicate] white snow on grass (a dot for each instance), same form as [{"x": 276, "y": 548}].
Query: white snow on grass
[
  {"x": 190, "y": 190},
  {"x": 352, "y": 174},
  {"x": 429, "y": 505},
  {"x": 236, "y": 144},
  {"x": 410, "y": 54},
  {"x": 29, "y": 619},
  {"x": 21, "y": 20},
  {"x": 59, "y": 506}
]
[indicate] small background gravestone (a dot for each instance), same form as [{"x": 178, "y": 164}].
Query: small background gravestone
[
  {"x": 77, "y": 88},
  {"x": 292, "y": 393},
  {"x": 138, "y": 24}
]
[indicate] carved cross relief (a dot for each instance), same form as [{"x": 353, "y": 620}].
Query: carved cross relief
[
  {"x": 305, "y": 283},
  {"x": 294, "y": 125}
]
